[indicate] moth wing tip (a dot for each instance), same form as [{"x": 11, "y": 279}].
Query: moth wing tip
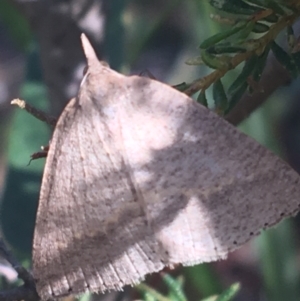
[{"x": 88, "y": 49}]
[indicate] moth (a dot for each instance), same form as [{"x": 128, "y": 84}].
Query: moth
[{"x": 138, "y": 177}]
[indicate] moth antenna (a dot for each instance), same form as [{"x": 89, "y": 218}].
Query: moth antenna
[{"x": 89, "y": 51}]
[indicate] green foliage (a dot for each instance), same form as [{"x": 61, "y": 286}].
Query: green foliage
[
  {"x": 227, "y": 295},
  {"x": 253, "y": 27},
  {"x": 176, "y": 293}
]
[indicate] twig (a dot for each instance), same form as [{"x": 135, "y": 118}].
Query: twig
[
  {"x": 274, "y": 76},
  {"x": 25, "y": 292},
  {"x": 35, "y": 112},
  {"x": 204, "y": 82}
]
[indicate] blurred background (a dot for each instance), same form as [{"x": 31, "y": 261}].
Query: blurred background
[{"x": 41, "y": 61}]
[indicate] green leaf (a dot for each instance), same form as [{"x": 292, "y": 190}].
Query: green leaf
[
  {"x": 291, "y": 37},
  {"x": 202, "y": 98},
  {"x": 245, "y": 32},
  {"x": 229, "y": 293},
  {"x": 149, "y": 297},
  {"x": 85, "y": 297},
  {"x": 219, "y": 96},
  {"x": 260, "y": 64},
  {"x": 222, "y": 48},
  {"x": 223, "y": 35},
  {"x": 236, "y": 96},
  {"x": 235, "y": 7},
  {"x": 247, "y": 70},
  {"x": 145, "y": 289},
  {"x": 216, "y": 62},
  {"x": 175, "y": 287},
  {"x": 271, "y": 19},
  {"x": 285, "y": 59},
  {"x": 260, "y": 27}
]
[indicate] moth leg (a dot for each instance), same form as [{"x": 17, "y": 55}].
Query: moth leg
[
  {"x": 41, "y": 154},
  {"x": 180, "y": 87},
  {"x": 34, "y": 112},
  {"x": 147, "y": 73}
]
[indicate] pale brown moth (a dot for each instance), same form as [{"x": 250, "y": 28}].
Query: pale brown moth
[{"x": 138, "y": 177}]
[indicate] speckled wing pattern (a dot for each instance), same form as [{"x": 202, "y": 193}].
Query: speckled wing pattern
[{"x": 139, "y": 177}]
